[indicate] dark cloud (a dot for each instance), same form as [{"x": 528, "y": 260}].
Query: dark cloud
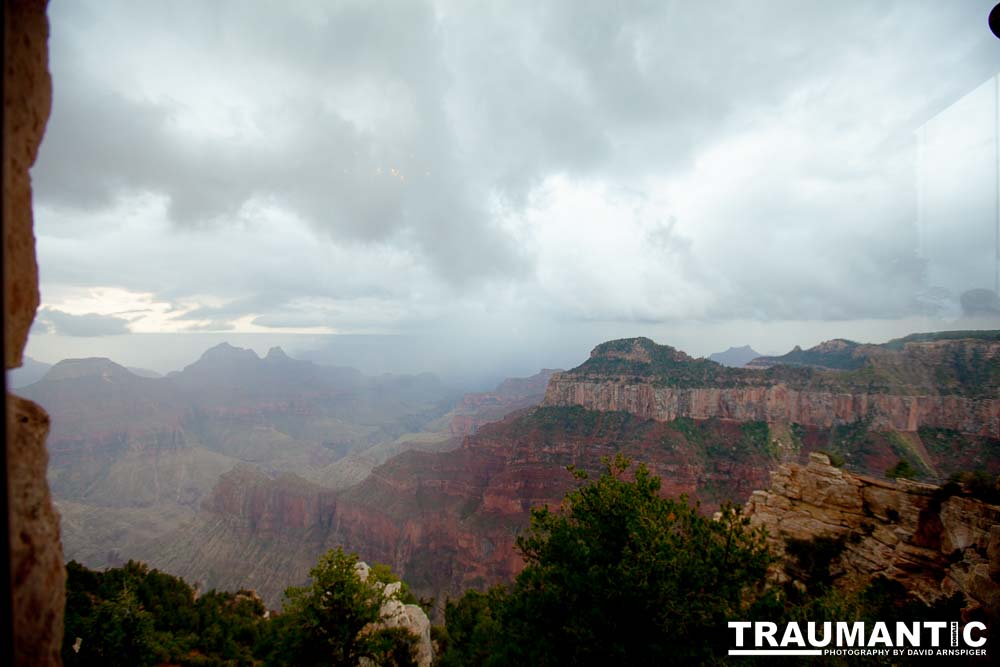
[
  {"x": 355, "y": 184},
  {"x": 50, "y": 320},
  {"x": 386, "y": 164}
]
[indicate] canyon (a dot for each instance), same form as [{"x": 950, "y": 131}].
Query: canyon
[
  {"x": 443, "y": 505},
  {"x": 133, "y": 457},
  {"x": 135, "y": 461}
]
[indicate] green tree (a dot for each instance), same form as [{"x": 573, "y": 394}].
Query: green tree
[
  {"x": 328, "y": 621},
  {"x": 621, "y": 575},
  {"x": 136, "y": 616},
  {"x": 230, "y": 625},
  {"x": 903, "y": 468},
  {"x": 473, "y": 631},
  {"x": 120, "y": 634}
]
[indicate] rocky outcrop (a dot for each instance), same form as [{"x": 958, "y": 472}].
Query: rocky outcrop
[
  {"x": 394, "y": 613},
  {"x": 37, "y": 573},
  {"x": 932, "y": 542}
]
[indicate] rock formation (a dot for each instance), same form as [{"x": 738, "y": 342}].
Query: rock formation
[
  {"x": 27, "y": 102},
  {"x": 737, "y": 357},
  {"x": 394, "y": 613},
  {"x": 37, "y": 574},
  {"x": 933, "y": 542}
]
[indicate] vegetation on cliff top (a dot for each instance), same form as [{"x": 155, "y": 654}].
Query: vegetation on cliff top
[
  {"x": 912, "y": 365},
  {"x": 930, "y": 337}
]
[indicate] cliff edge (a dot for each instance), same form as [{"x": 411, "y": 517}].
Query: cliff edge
[{"x": 935, "y": 540}]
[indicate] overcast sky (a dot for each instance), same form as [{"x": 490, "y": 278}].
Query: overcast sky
[{"x": 512, "y": 174}]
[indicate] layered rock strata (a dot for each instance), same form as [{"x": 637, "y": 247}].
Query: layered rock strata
[
  {"x": 933, "y": 543},
  {"x": 779, "y": 403},
  {"x": 904, "y": 385}
]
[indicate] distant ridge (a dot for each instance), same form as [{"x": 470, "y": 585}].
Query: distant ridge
[
  {"x": 943, "y": 364},
  {"x": 837, "y": 354},
  {"x": 87, "y": 367},
  {"x": 735, "y": 357},
  {"x": 843, "y": 354}
]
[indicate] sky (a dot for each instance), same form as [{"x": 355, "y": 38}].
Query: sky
[{"x": 487, "y": 188}]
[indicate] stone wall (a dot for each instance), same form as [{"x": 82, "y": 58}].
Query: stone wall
[{"x": 37, "y": 572}]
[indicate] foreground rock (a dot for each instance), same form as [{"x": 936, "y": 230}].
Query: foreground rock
[
  {"x": 396, "y": 614},
  {"x": 36, "y": 572},
  {"x": 933, "y": 543}
]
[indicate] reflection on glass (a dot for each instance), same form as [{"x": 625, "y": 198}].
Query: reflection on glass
[{"x": 958, "y": 208}]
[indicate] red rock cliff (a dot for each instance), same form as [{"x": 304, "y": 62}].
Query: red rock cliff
[
  {"x": 779, "y": 403},
  {"x": 949, "y": 384}
]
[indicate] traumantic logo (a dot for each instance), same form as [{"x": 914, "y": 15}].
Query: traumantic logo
[{"x": 935, "y": 638}]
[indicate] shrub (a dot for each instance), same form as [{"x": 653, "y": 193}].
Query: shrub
[{"x": 901, "y": 469}]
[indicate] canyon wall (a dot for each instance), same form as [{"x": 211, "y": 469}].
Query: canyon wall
[
  {"x": 448, "y": 521},
  {"x": 254, "y": 531},
  {"x": 252, "y": 500},
  {"x": 779, "y": 403},
  {"x": 944, "y": 381},
  {"x": 477, "y": 409}
]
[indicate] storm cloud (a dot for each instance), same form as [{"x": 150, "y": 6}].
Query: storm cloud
[
  {"x": 391, "y": 167},
  {"x": 87, "y": 325}
]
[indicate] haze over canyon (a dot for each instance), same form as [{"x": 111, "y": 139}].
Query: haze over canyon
[{"x": 239, "y": 470}]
